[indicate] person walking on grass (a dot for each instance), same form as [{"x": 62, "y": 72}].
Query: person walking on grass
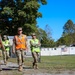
[
  {"x": 20, "y": 45},
  {"x": 1, "y": 46},
  {"x": 6, "y": 44},
  {"x": 35, "y": 49}
]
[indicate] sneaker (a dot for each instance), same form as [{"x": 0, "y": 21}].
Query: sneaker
[
  {"x": 0, "y": 69},
  {"x": 20, "y": 68},
  {"x": 36, "y": 67}
]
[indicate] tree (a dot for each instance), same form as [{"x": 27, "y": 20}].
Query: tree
[
  {"x": 68, "y": 36},
  {"x": 68, "y": 28},
  {"x": 64, "y": 41},
  {"x": 42, "y": 35},
  {"x": 15, "y": 13},
  {"x": 48, "y": 31},
  {"x": 44, "y": 38}
]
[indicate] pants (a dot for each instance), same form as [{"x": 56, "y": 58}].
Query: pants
[
  {"x": 35, "y": 57},
  {"x": 5, "y": 55},
  {"x": 0, "y": 53},
  {"x": 20, "y": 57},
  {"x": 0, "y": 68}
]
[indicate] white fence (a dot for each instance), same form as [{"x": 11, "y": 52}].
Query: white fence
[
  {"x": 57, "y": 51},
  {"x": 49, "y": 51}
]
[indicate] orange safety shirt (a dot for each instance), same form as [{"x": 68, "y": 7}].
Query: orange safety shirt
[{"x": 20, "y": 42}]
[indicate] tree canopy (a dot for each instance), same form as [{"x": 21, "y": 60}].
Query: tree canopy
[
  {"x": 16, "y": 13},
  {"x": 22, "y": 13},
  {"x": 68, "y": 28},
  {"x": 68, "y": 35}
]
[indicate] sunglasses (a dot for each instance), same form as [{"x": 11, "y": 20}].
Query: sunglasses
[
  {"x": 33, "y": 35},
  {"x": 19, "y": 30}
]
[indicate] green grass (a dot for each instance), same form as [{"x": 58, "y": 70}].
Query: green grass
[
  {"x": 55, "y": 62},
  {"x": 52, "y": 62},
  {"x": 58, "y": 62}
]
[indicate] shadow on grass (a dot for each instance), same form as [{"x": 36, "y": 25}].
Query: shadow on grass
[{"x": 9, "y": 68}]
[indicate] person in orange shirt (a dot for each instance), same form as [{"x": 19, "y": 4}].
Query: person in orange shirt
[
  {"x": 20, "y": 45},
  {"x": 1, "y": 46}
]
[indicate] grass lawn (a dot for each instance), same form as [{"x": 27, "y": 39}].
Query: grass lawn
[
  {"x": 66, "y": 62},
  {"x": 50, "y": 63},
  {"x": 58, "y": 62}
]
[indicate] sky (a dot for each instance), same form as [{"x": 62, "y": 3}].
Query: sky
[{"x": 55, "y": 14}]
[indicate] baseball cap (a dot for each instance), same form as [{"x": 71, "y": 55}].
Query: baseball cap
[
  {"x": 33, "y": 34},
  {"x": 4, "y": 36},
  {"x": 19, "y": 29}
]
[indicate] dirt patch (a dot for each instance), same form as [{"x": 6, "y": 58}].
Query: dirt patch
[
  {"x": 12, "y": 69},
  {"x": 35, "y": 72}
]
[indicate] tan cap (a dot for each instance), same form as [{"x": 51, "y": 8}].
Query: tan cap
[
  {"x": 4, "y": 36},
  {"x": 19, "y": 28},
  {"x": 33, "y": 34}
]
